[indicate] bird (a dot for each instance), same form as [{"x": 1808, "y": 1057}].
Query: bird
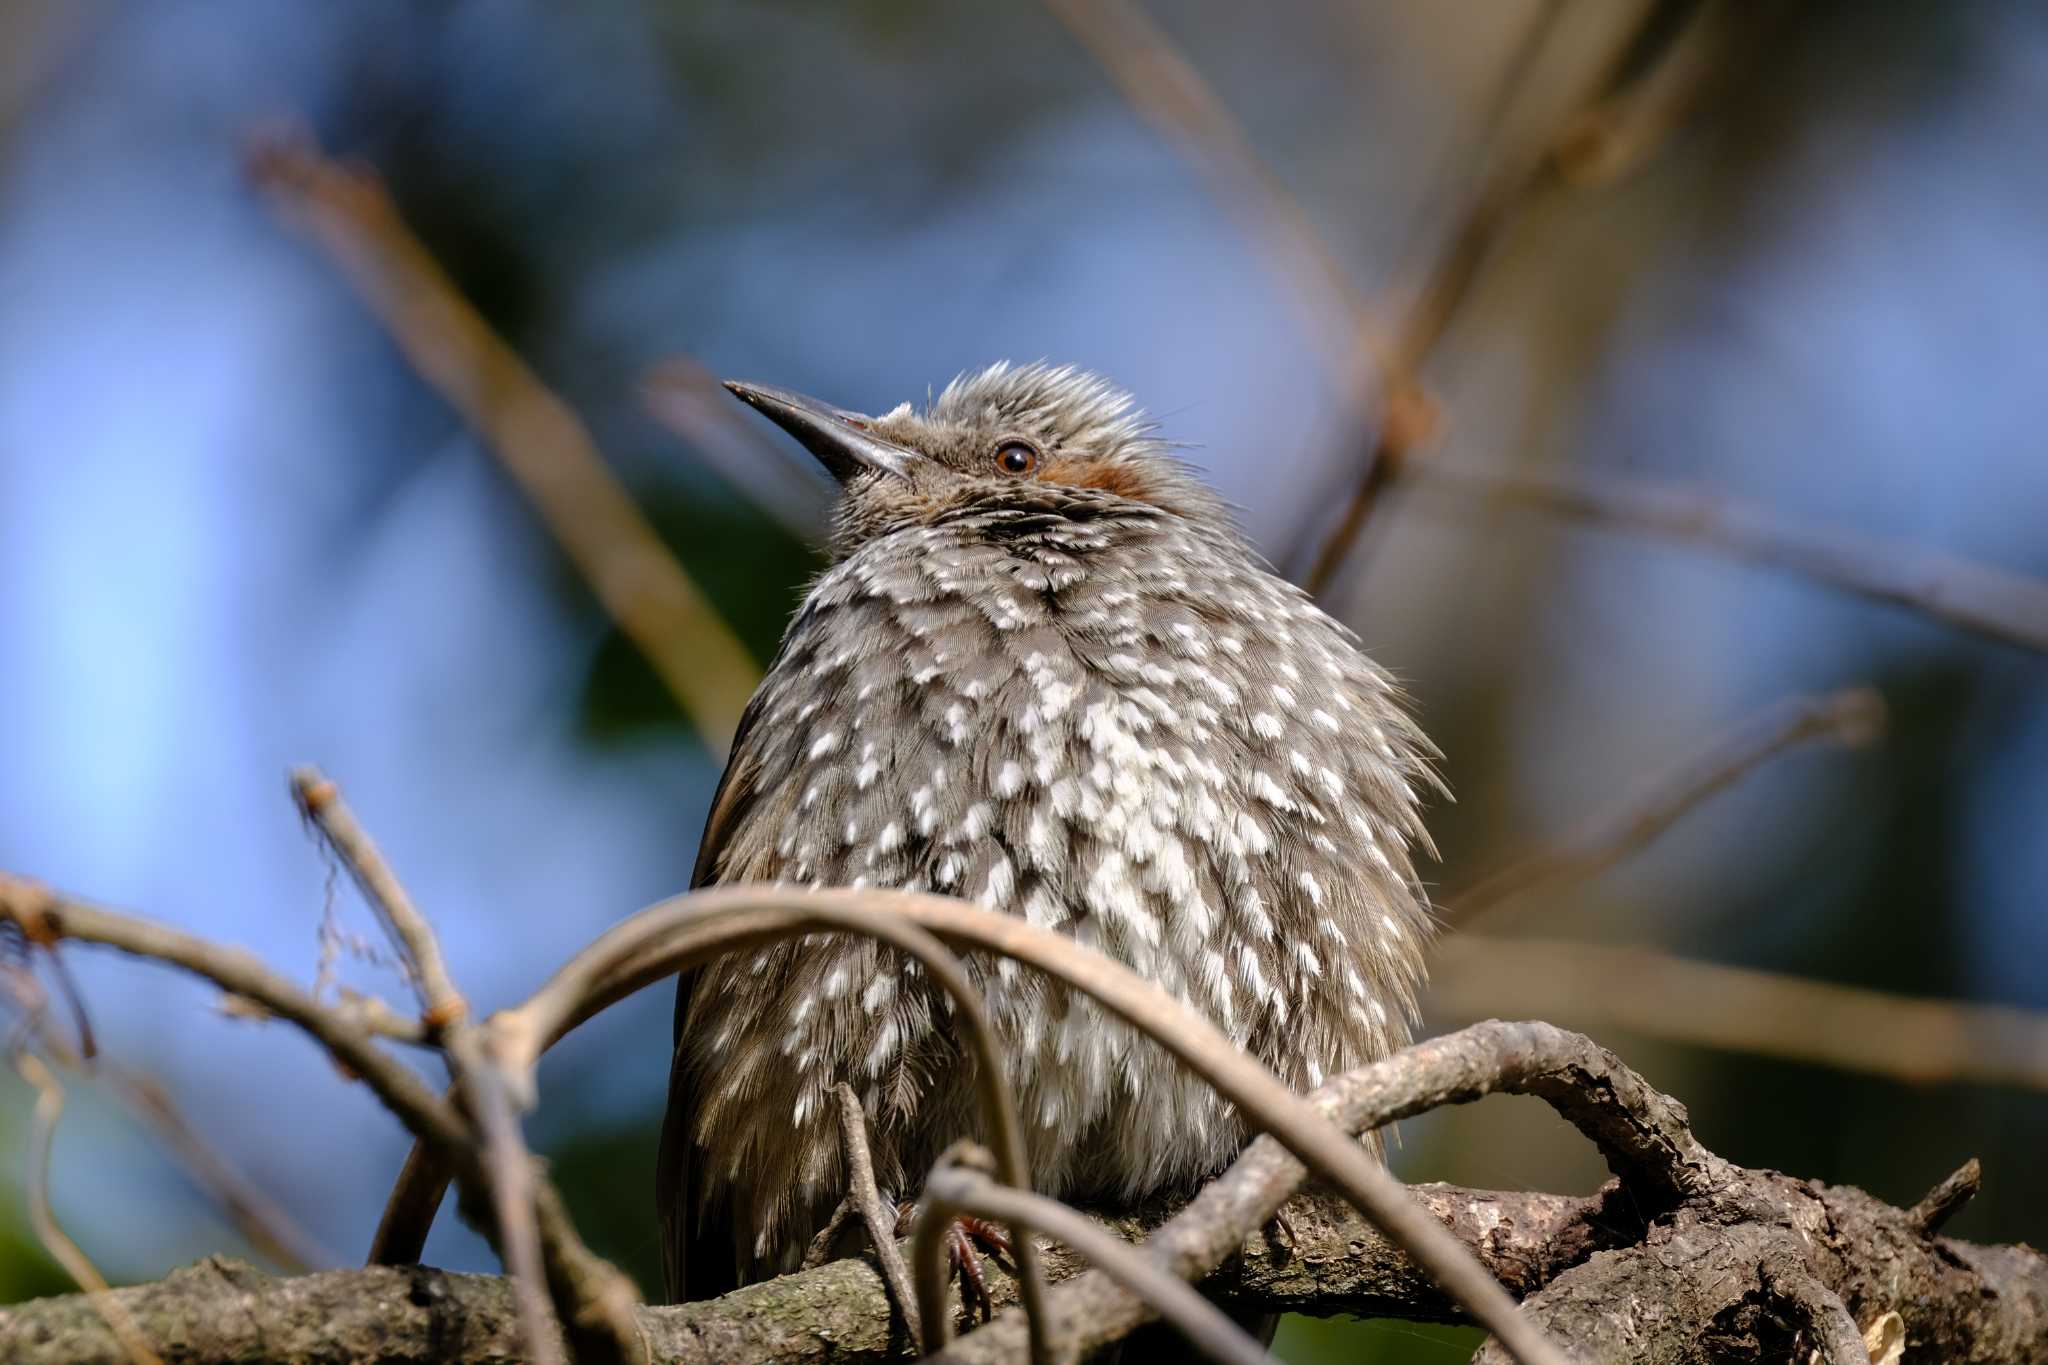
[{"x": 1045, "y": 671}]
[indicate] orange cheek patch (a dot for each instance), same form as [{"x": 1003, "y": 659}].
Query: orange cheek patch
[{"x": 1108, "y": 475}]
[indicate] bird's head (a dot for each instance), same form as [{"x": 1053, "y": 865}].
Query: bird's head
[{"x": 1038, "y": 437}]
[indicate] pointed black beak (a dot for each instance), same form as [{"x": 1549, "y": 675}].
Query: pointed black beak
[{"x": 840, "y": 440}]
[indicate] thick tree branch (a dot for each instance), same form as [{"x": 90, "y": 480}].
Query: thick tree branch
[
  {"x": 1962, "y": 1302},
  {"x": 1700, "y": 1259}
]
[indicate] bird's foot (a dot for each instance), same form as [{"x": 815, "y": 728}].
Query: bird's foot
[{"x": 964, "y": 1263}]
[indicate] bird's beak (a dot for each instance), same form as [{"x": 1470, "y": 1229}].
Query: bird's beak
[{"x": 840, "y": 440}]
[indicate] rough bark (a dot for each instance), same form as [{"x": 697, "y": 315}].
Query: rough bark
[{"x": 1690, "y": 1287}]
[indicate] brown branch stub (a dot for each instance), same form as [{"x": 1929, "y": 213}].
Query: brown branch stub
[
  {"x": 1947, "y": 1199},
  {"x": 1614, "y": 137},
  {"x": 1830, "y": 1331},
  {"x": 540, "y": 441}
]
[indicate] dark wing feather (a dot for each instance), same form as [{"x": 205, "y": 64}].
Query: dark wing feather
[{"x": 697, "y": 1254}]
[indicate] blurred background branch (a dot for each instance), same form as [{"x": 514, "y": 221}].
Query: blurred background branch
[
  {"x": 2008, "y": 607},
  {"x": 1605, "y": 988},
  {"x": 541, "y": 442}
]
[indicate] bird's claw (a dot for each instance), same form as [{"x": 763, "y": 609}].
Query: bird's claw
[{"x": 963, "y": 1262}]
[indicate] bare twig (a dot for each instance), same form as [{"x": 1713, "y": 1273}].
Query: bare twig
[
  {"x": 410, "y": 1208},
  {"x": 539, "y": 440},
  {"x": 49, "y": 1108},
  {"x": 756, "y": 914},
  {"x": 254, "y": 1214},
  {"x": 1602, "y": 987},
  {"x": 510, "y": 1169},
  {"x": 507, "y": 1164},
  {"x": 46, "y": 916},
  {"x": 1616, "y": 136},
  {"x": 1970, "y": 596},
  {"x": 260, "y": 1221},
  {"x": 1851, "y": 718},
  {"x": 826, "y": 1240},
  {"x": 1165, "y": 89},
  {"x": 1410, "y": 419},
  {"x": 1946, "y": 1200},
  {"x": 319, "y": 802},
  {"x": 656, "y": 942},
  {"x": 876, "y": 1216},
  {"x": 585, "y": 986},
  {"x": 959, "y": 1184}
]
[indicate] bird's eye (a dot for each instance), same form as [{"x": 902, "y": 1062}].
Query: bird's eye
[{"x": 1014, "y": 457}]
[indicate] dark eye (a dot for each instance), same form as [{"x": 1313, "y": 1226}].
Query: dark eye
[{"x": 1014, "y": 457}]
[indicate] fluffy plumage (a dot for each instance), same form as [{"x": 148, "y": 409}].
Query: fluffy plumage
[{"x": 1076, "y": 696}]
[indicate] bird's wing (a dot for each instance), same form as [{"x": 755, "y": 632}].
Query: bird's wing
[{"x": 697, "y": 1251}]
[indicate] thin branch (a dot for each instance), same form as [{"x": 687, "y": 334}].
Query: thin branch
[
  {"x": 44, "y": 917},
  {"x": 47, "y": 917},
  {"x": 542, "y": 444},
  {"x": 931, "y": 1236},
  {"x": 1851, "y": 718},
  {"x": 1410, "y": 418},
  {"x": 863, "y": 1195},
  {"x": 1163, "y": 86},
  {"x": 42, "y": 1132},
  {"x": 654, "y": 943},
  {"x": 958, "y": 1185},
  {"x": 507, "y": 1165},
  {"x": 580, "y": 990},
  {"x": 253, "y": 1213},
  {"x": 1645, "y": 991},
  {"x": 410, "y": 1208},
  {"x": 1999, "y": 605},
  {"x": 1616, "y": 136},
  {"x": 726, "y": 922},
  {"x": 510, "y": 1169},
  {"x": 319, "y": 802}
]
